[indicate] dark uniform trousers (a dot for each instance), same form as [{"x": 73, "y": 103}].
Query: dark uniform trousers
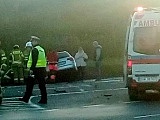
[{"x": 39, "y": 75}]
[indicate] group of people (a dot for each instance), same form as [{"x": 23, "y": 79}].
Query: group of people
[
  {"x": 13, "y": 68},
  {"x": 34, "y": 60},
  {"x": 81, "y": 58}
]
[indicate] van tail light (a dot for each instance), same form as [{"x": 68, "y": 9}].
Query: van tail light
[
  {"x": 134, "y": 84},
  {"x": 129, "y": 63},
  {"x": 129, "y": 66},
  {"x": 70, "y": 58}
]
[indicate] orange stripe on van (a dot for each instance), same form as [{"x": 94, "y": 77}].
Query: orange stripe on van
[{"x": 145, "y": 61}]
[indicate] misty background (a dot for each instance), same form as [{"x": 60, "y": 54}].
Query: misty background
[{"x": 69, "y": 24}]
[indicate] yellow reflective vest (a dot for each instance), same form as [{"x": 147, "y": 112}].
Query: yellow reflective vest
[{"x": 41, "y": 62}]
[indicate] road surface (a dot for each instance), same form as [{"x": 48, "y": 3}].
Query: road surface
[{"x": 89, "y": 100}]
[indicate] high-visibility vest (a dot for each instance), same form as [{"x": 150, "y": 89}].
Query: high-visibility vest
[
  {"x": 26, "y": 54},
  {"x": 41, "y": 62},
  {"x": 17, "y": 56}
]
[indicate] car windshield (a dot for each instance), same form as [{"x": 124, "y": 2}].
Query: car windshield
[
  {"x": 147, "y": 40},
  {"x": 63, "y": 55}
]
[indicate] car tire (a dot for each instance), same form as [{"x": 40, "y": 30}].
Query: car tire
[
  {"x": 133, "y": 94},
  {"x": 0, "y": 100}
]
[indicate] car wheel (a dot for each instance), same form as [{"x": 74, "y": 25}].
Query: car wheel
[
  {"x": 133, "y": 94},
  {"x": 0, "y": 100},
  {"x": 72, "y": 75}
]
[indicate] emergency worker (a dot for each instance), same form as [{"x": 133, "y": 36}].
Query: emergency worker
[
  {"x": 98, "y": 59},
  {"x": 26, "y": 53},
  {"x": 37, "y": 66},
  {"x": 3, "y": 65},
  {"x": 16, "y": 63},
  {"x": 3, "y": 57}
]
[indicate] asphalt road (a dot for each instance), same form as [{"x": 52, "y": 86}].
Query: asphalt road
[{"x": 88, "y": 100}]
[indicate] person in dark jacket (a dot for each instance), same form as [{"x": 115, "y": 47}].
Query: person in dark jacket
[
  {"x": 98, "y": 59},
  {"x": 37, "y": 65}
]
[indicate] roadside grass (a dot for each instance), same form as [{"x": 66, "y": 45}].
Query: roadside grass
[{"x": 110, "y": 67}]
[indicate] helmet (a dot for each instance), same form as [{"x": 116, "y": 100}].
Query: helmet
[
  {"x": 34, "y": 38},
  {"x": 28, "y": 44},
  {"x": 16, "y": 46}
]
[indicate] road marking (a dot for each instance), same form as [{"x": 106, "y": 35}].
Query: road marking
[
  {"x": 100, "y": 105},
  {"x": 34, "y": 105},
  {"x": 82, "y": 92},
  {"x": 46, "y": 88},
  {"x": 86, "y": 85},
  {"x": 52, "y": 110},
  {"x": 10, "y": 98},
  {"x": 132, "y": 102},
  {"x": 89, "y": 106},
  {"x": 107, "y": 81},
  {"x": 145, "y": 116},
  {"x": 17, "y": 104}
]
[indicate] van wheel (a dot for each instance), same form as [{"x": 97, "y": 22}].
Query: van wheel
[{"x": 133, "y": 94}]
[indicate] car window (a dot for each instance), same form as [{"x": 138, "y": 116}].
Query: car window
[{"x": 63, "y": 55}]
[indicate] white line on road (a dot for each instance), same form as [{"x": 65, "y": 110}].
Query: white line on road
[
  {"x": 34, "y": 105},
  {"x": 132, "y": 102},
  {"x": 107, "y": 81},
  {"x": 83, "y": 92},
  {"x": 145, "y": 116},
  {"x": 52, "y": 110},
  {"x": 100, "y": 105}
]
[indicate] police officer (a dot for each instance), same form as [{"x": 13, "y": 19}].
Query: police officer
[
  {"x": 37, "y": 65},
  {"x": 98, "y": 59},
  {"x": 16, "y": 63}
]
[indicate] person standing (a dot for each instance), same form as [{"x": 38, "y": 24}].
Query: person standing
[
  {"x": 3, "y": 57},
  {"x": 52, "y": 59},
  {"x": 98, "y": 59},
  {"x": 3, "y": 65},
  {"x": 26, "y": 53},
  {"x": 80, "y": 58},
  {"x": 37, "y": 66},
  {"x": 16, "y": 63}
]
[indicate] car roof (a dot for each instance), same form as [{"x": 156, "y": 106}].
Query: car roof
[{"x": 63, "y": 54}]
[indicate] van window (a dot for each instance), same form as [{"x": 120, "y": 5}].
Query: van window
[{"x": 147, "y": 40}]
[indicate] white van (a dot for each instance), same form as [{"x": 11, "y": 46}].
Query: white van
[{"x": 142, "y": 53}]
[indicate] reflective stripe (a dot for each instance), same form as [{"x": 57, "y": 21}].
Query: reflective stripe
[
  {"x": 16, "y": 62},
  {"x": 3, "y": 55},
  {"x": 17, "y": 52},
  {"x": 4, "y": 58}
]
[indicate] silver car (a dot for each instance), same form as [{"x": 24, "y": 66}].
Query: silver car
[{"x": 67, "y": 69}]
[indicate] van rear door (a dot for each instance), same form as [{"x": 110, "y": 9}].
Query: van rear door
[{"x": 146, "y": 69}]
